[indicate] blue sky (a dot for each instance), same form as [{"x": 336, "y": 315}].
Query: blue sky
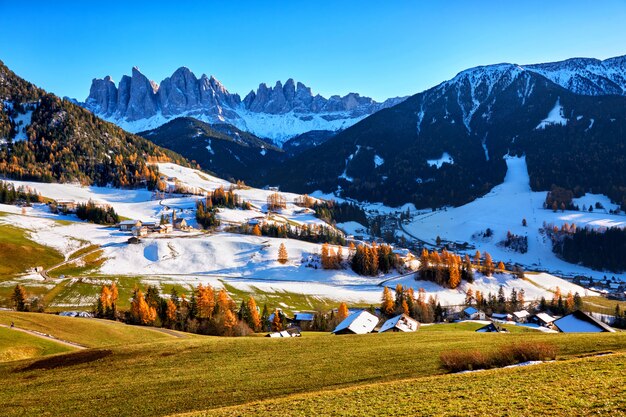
[{"x": 377, "y": 48}]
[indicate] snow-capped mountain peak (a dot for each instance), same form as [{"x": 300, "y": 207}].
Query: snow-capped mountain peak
[{"x": 278, "y": 112}]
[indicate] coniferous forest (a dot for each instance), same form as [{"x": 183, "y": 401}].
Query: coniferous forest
[
  {"x": 67, "y": 143},
  {"x": 601, "y": 250}
]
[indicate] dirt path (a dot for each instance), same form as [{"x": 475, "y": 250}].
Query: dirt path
[
  {"x": 169, "y": 332},
  {"x": 45, "y": 336},
  {"x": 45, "y": 272}
]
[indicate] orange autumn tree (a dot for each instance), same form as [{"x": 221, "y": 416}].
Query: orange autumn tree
[
  {"x": 170, "y": 312},
  {"x": 256, "y": 230},
  {"x": 205, "y": 300},
  {"x": 387, "y": 305},
  {"x": 224, "y": 302},
  {"x": 140, "y": 311},
  {"x": 107, "y": 302},
  {"x": 254, "y": 317},
  {"x": 342, "y": 312},
  {"x": 283, "y": 257},
  {"x": 230, "y": 321},
  {"x": 277, "y": 324}
]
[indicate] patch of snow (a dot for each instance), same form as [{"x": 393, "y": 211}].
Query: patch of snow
[
  {"x": 437, "y": 163},
  {"x": 502, "y": 210},
  {"x": 22, "y": 121},
  {"x": 555, "y": 117},
  {"x": 589, "y": 199},
  {"x": 344, "y": 174},
  {"x": 209, "y": 148},
  {"x": 352, "y": 228},
  {"x": 378, "y": 161}
]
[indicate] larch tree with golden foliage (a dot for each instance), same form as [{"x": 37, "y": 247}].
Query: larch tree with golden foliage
[
  {"x": 230, "y": 321},
  {"x": 342, "y": 312},
  {"x": 488, "y": 265},
  {"x": 283, "y": 257},
  {"x": 277, "y": 324},
  {"x": 224, "y": 301},
  {"x": 387, "y": 305},
  {"x": 254, "y": 317},
  {"x": 256, "y": 230},
  {"x": 501, "y": 266},
  {"x": 170, "y": 312},
  {"x": 140, "y": 311},
  {"x": 205, "y": 299}
]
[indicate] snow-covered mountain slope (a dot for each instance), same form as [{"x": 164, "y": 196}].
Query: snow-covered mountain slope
[
  {"x": 477, "y": 117},
  {"x": 278, "y": 113},
  {"x": 502, "y": 211},
  {"x": 586, "y": 75}
]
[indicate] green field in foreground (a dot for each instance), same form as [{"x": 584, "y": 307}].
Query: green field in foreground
[
  {"x": 18, "y": 253},
  {"x": 580, "y": 387},
  {"x": 178, "y": 375},
  {"x": 86, "y": 332},
  {"x": 16, "y": 345}
]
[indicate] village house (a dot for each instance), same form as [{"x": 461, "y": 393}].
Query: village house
[
  {"x": 180, "y": 224},
  {"x": 501, "y": 317},
  {"x": 541, "y": 319},
  {"x": 520, "y": 316},
  {"x": 303, "y": 320},
  {"x": 360, "y": 322},
  {"x": 139, "y": 231},
  {"x": 127, "y": 225},
  {"x": 581, "y": 322},
  {"x": 401, "y": 323},
  {"x": 66, "y": 206},
  {"x": 290, "y": 332},
  {"x": 471, "y": 313},
  {"x": 492, "y": 328}
]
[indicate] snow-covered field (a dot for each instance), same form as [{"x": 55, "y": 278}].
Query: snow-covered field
[
  {"x": 249, "y": 263},
  {"x": 502, "y": 210}
]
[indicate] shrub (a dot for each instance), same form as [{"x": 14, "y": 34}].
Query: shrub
[{"x": 468, "y": 360}]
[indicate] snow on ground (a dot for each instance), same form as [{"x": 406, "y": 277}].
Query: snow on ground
[
  {"x": 244, "y": 260},
  {"x": 353, "y": 228},
  {"x": 555, "y": 117},
  {"x": 344, "y": 174},
  {"x": 590, "y": 200},
  {"x": 378, "y": 161},
  {"x": 502, "y": 210},
  {"x": 22, "y": 122},
  {"x": 437, "y": 163}
]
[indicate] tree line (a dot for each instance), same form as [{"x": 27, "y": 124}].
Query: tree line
[
  {"x": 97, "y": 214},
  {"x": 600, "y": 249},
  {"x": 9, "y": 194}
]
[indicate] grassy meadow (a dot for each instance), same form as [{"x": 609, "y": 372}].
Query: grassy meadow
[
  {"x": 93, "y": 333},
  {"x": 16, "y": 345},
  {"x": 142, "y": 372}
]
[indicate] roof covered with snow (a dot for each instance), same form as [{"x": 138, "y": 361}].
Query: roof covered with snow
[
  {"x": 402, "y": 322},
  {"x": 546, "y": 318},
  {"x": 360, "y": 322},
  {"x": 580, "y": 322}
]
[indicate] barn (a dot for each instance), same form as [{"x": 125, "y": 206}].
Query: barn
[
  {"x": 492, "y": 328},
  {"x": 581, "y": 322},
  {"x": 401, "y": 323},
  {"x": 359, "y": 322},
  {"x": 542, "y": 319}
]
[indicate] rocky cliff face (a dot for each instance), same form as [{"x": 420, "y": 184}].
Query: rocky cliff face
[{"x": 277, "y": 112}]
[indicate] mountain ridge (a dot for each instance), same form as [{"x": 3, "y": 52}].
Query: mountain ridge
[{"x": 278, "y": 112}]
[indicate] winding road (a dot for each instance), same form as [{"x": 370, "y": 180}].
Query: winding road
[{"x": 45, "y": 336}]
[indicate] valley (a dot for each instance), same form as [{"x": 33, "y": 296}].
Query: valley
[{"x": 378, "y": 209}]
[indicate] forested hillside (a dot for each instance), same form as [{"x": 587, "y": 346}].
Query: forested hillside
[
  {"x": 45, "y": 138},
  {"x": 223, "y": 149},
  {"x": 445, "y": 146}
]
